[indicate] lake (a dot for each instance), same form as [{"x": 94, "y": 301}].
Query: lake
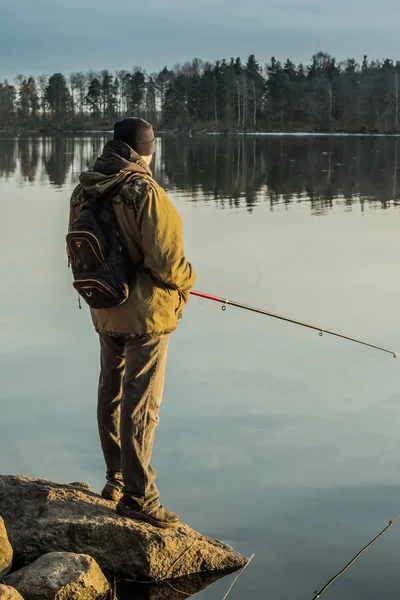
[{"x": 273, "y": 439}]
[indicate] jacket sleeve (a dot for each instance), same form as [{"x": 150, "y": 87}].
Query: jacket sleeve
[{"x": 162, "y": 241}]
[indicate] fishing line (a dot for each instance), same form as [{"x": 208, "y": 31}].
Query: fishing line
[{"x": 321, "y": 330}]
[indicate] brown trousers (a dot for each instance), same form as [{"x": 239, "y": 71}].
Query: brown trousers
[{"x": 130, "y": 393}]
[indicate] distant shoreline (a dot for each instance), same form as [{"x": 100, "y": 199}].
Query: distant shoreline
[{"x": 66, "y": 132}]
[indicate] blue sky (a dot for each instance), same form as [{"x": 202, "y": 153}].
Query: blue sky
[{"x": 45, "y": 36}]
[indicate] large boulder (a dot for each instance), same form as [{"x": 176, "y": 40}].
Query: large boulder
[
  {"x": 6, "y": 551},
  {"x": 9, "y": 593},
  {"x": 61, "y": 576},
  {"x": 42, "y": 516}
]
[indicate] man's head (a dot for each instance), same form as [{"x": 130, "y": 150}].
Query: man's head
[{"x": 138, "y": 134}]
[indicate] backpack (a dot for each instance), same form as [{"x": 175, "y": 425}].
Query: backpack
[{"x": 96, "y": 255}]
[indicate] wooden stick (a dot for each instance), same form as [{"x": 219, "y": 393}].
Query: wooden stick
[{"x": 240, "y": 574}]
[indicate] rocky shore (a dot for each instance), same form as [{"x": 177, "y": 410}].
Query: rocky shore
[{"x": 65, "y": 542}]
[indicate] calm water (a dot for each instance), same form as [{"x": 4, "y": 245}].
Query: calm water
[{"x": 272, "y": 439}]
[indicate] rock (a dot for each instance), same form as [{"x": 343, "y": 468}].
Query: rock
[
  {"x": 9, "y": 593},
  {"x": 81, "y": 484},
  {"x": 42, "y": 516},
  {"x": 61, "y": 576},
  {"x": 6, "y": 551}
]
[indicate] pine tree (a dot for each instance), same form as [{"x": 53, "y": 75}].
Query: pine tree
[
  {"x": 58, "y": 98},
  {"x": 93, "y": 97}
]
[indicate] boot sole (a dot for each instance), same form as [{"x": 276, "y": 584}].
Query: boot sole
[{"x": 125, "y": 511}]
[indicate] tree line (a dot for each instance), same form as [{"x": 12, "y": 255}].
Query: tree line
[
  {"x": 224, "y": 96},
  {"x": 233, "y": 171}
]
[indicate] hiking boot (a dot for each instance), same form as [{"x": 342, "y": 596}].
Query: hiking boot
[
  {"x": 157, "y": 515},
  {"x": 112, "y": 491}
]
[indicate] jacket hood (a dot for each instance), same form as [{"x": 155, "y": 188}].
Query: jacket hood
[{"x": 117, "y": 163}]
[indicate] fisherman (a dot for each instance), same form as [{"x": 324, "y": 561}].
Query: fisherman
[{"x": 134, "y": 336}]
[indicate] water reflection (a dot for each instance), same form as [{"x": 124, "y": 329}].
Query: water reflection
[
  {"x": 233, "y": 170},
  {"x": 56, "y": 161},
  {"x": 275, "y": 441},
  {"x": 176, "y": 589}
]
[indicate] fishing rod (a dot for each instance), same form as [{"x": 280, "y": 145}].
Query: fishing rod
[
  {"x": 353, "y": 560},
  {"x": 321, "y": 330}
]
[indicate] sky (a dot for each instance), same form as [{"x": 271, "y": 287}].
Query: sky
[{"x": 47, "y": 36}]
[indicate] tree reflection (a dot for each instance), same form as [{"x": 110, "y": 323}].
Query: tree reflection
[
  {"x": 8, "y": 158},
  {"x": 282, "y": 170},
  {"x": 233, "y": 171}
]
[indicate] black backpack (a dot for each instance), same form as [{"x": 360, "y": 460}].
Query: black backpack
[{"x": 96, "y": 255}]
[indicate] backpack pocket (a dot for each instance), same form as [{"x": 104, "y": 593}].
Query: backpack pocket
[
  {"x": 101, "y": 288},
  {"x": 85, "y": 250},
  {"x": 96, "y": 293}
]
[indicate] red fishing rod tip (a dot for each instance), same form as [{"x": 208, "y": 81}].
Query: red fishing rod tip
[{"x": 206, "y": 296}]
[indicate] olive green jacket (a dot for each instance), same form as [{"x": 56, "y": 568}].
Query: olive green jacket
[{"x": 151, "y": 232}]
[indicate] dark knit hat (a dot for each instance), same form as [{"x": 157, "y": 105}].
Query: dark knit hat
[{"x": 137, "y": 133}]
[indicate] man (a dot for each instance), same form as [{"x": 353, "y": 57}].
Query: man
[{"x": 134, "y": 336}]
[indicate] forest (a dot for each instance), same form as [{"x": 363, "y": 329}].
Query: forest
[{"x": 224, "y": 96}]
